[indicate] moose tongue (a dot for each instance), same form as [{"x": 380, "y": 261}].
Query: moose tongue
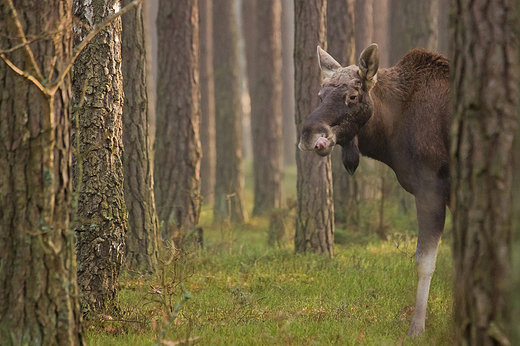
[{"x": 321, "y": 143}]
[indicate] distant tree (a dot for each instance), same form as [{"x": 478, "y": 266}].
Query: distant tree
[
  {"x": 97, "y": 91},
  {"x": 288, "y": 126},
  {"x": 315, "y": 221},
  {"x": 143, "y": 225},
  {"x": 177, "y": 143},
  {"x": 412, "y": 26},
  {"x": 485, "y": 70},
  {"x": 380, "y": 35},
  {"x": 443, "y": 24},
  {"x": 364, "y": 31},
  {"x": 265, "y": 89},
  {"x": 341, "y": 45},
  {"x": 207, "y": 91},
  {"x": 39, "y": 302},
  {"x": 229, "y": 178}
]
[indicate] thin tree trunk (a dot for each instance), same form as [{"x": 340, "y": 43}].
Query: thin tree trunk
[
  {"x": 341, "y": 45},
  {"x": 207, "y": 91},
  {"x": 177, "y": 144},
  {"x": 364, "y": 32},
  {"x": 229, "y": 182},
  {"x": 143, "y": 225},
  {"x": 289, "y": 128},
  {"x": 265, "y": 88},
  {"x": 39, "y": 302},
  {"x": 412, "y": 26},
  {"x": 482, "y": 174},
  {"x": 102, "y": 217},
  {"x": 315, "y": 222}
]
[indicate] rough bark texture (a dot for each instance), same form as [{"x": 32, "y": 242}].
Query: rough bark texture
[
  {"x": 412, "y": 26},
  {"x": 315, "y": 222},
  {"x": 39, "y": 302},
  {"x": 143, "y": 225},
  {"x": 98, "y": 95},
  {"x": 177, "y": 143},
  {"x": 207, "y": 103},
  {"x": 341, "y": 45},
  {"x": 288, "y": 126},
  {"x": 229, "y": 182},
  {"x": 265, "y": 88},
  {"x": 485, "y": 74}
]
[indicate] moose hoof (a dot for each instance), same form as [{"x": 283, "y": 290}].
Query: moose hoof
[{"x": 416, "y": 329}]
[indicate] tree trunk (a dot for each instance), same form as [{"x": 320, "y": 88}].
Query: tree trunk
[
  {"x": 98, "y": 95},
  {"x": 380, "y": 23},
  {"x": 341, "y": 45},
  {"x": 485, "y": 74},
  {"x": 315, "y": 222},
  {"x": 229, "y": 182},
  {"x": 289, "y": 128},
  {"x": 177, "y": 143},
  {"x": 265, "y": 88},
  {"x": 39, "y": 302},
  {"x": 412, "y": 26},
  {"x": 364, "y": 32},
  {"x": 143, "y": 225},
  {"x": 207, "y": 105}
]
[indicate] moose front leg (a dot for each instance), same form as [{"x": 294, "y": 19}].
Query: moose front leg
[{"x": 431, "y": 212}]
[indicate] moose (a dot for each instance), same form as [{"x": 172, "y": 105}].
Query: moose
[{"x": 399, "y": 116}]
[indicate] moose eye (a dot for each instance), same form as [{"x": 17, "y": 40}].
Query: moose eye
[{"x": 353, "y": 97}]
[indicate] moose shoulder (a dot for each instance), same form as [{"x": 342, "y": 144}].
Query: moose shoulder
[{"x": 399, "y": 116}]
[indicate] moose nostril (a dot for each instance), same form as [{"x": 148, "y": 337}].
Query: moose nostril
[{"x": 321, "y": 143}]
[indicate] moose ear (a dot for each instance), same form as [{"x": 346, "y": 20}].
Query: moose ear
[
  {"x": 327, "y": 63},
  {"x": 350, "y": 155},
  {"x": 369, "y": 62}
]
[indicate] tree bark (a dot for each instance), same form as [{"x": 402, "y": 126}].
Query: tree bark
[
  {"x": 315, "y": 222},
  {"x": 177, "y": 143},
  {"x": 98, "y": 95},
  {"x": 39, "y": 302},
  {"x": 341, "y": 45},
  {"x": 485, "y": 74},
  {"x": 364, "y": 32},
  {"x": 207, "y": 91},
  {"x": 412, "y": 26},
  {"x": 143, "y": 225},
  {"x": 265, "y": 89},
  {"x": 229, "y": 182},
  {"x": 289, "y": 128}
]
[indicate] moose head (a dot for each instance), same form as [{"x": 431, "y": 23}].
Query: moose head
[{"x": 346, "y": 105}]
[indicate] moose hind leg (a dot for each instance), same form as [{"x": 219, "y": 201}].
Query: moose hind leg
[{"x": 431, "y": 211}]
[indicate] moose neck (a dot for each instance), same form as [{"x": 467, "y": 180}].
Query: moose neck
[{"x": 374, "y": 139}]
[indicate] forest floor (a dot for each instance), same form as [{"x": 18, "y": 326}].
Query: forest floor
[{"x": 244, "y": 292}]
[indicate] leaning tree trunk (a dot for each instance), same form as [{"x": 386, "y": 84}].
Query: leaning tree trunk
[
  {"x": 315, "y": 222},
  {"x": 229, "y": 179},
  {"x": 39, "y": 302},
  {"x": 341, "y": 45},
  {"x": 207, "y": 103},
  {"x": 485, "y": 105},
  {"x": 265, "y": 88},
  {"x": 177, "y": 143},
  {"x": 98, "y": 95},
  {"x": 143, "y": 225}
]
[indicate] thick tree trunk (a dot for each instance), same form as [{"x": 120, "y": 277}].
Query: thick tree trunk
[
  {"x": 39, "y": 302},
  {"x": 229, "y": 182},
  {"x": 289, "y": 128},
  {"x": 177, "y": 143},
  {"x": 412, "y": 26},
  {"x": 315, "y": 222},
  {"x": 485, "y": 104},
  {"x": 102, "y": 216},
  {"x": 364, "y": 32},
  {"x": 143, "y": 225},
  {"x": 265, "y": 88},
  {"x": 207, "y": 104},
  {"x": 341, "y": 45}
]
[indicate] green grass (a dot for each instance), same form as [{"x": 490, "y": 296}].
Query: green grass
[{"x": 246, "y": 293}]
